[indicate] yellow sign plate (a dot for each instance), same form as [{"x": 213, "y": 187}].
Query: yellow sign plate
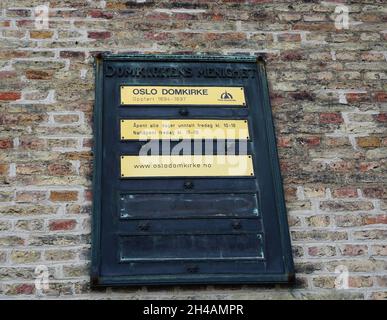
[
  {"x": 186, "y": 166},
  {"x": 141, "y": 129},
  {"x": 176, "y": 95}
]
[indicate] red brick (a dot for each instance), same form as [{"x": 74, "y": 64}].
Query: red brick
[
  {"x": 60, "y": 169},
  {"x": 381, "y": 117},
  {"x": 72, "y": 54},
  {"x": 11, "y": 54},
  {"x": 231, "y": 36},
  {"x": 66, "y": 118},
  {"x": 7, "y": 74},
  {"x": 38, "y": 74},
  {"x": 354, "y": 250},
  {"x": 184, "y": 16},
  {"x": 30, "y": 196},
  {"x": 19, "y": 12},
  {"x": 341, "y": 166},
  {"x": 331, "y": 118},
  {"x": 314, "y": 26},
  {"x": 32, "y": 143},
  {"x": 6, "y": 143},
  {"x": 25, "y": 23},
  {"x": 375, "y": 192},
  {"x": 158, "y": 36},
  {"x": 372, "y": 56},
  {"x": 380, "y": 96},
  {"x": 25, "y": 289},
  {"x": 289, "y": 37},
  {"x": 309, "y": 141},
  {"x": 345, "y": 192},
  {"x": 215, "y": 16},
  {"x": 88, "y": 195},
  {"x": 63, "y": 196},
  {"x": 157, "y": 16},
  {"x": 4, "y": 169},
  {"x": 276, "y": 98},
  {"x": 291, "y": 55},
  {"x": 5, "y": 24},
  {"x": 356, "y": 97},
  {"x": 368, "y": 166},
  {"x": 303, "y": 95},
  {"x": 336, "y": 141},
  {"x": 100, "y": 14},
  {"x": 87, "y": 143},
  {"x": 284, "y": 142},
  {"x": 378, "y": 219},
  {"x": 19, "y": 119},
  {"x": 360, "y": 282},
  {"x": 65, "y": 224},
  {"x": 290, "y": 193},
  {"x": 98, "y": 35},
  {"x": 8, "y": 96}
]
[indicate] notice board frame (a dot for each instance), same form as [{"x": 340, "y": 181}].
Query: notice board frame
[{"x": 97, "y": 280}]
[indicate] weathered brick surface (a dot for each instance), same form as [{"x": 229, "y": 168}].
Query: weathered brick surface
[{"x": 328, "y": 92}]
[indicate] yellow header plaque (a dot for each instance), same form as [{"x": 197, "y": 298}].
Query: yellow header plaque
[
  {"x": 176, "y": 95},
  {"x": 184, "y": 166},
  {"x": 141, "y": 129}
]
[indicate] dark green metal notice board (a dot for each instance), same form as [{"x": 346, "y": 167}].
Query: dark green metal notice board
[{"x": 187, "y": 186}]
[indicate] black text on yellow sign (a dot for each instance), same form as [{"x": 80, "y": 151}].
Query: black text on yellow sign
[
  {"x": 186, "y": 165},
  {"x": 149, "y": 129},
  {"x": 178, "y": 95}
]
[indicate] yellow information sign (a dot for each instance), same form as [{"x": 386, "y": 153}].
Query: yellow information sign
[
  {"x": 141, "y": 129},
  {"x": 186, "y": 165},
  {"x": 176, "y": 95}
]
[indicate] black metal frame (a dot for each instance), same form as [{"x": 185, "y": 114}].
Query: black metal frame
[{"x": 98, "y": 280}]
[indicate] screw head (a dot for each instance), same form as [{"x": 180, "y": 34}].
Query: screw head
[{"x": 188, "y": 185}]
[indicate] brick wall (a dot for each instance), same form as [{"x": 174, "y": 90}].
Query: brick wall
[{"x": 328, "y": 90}]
